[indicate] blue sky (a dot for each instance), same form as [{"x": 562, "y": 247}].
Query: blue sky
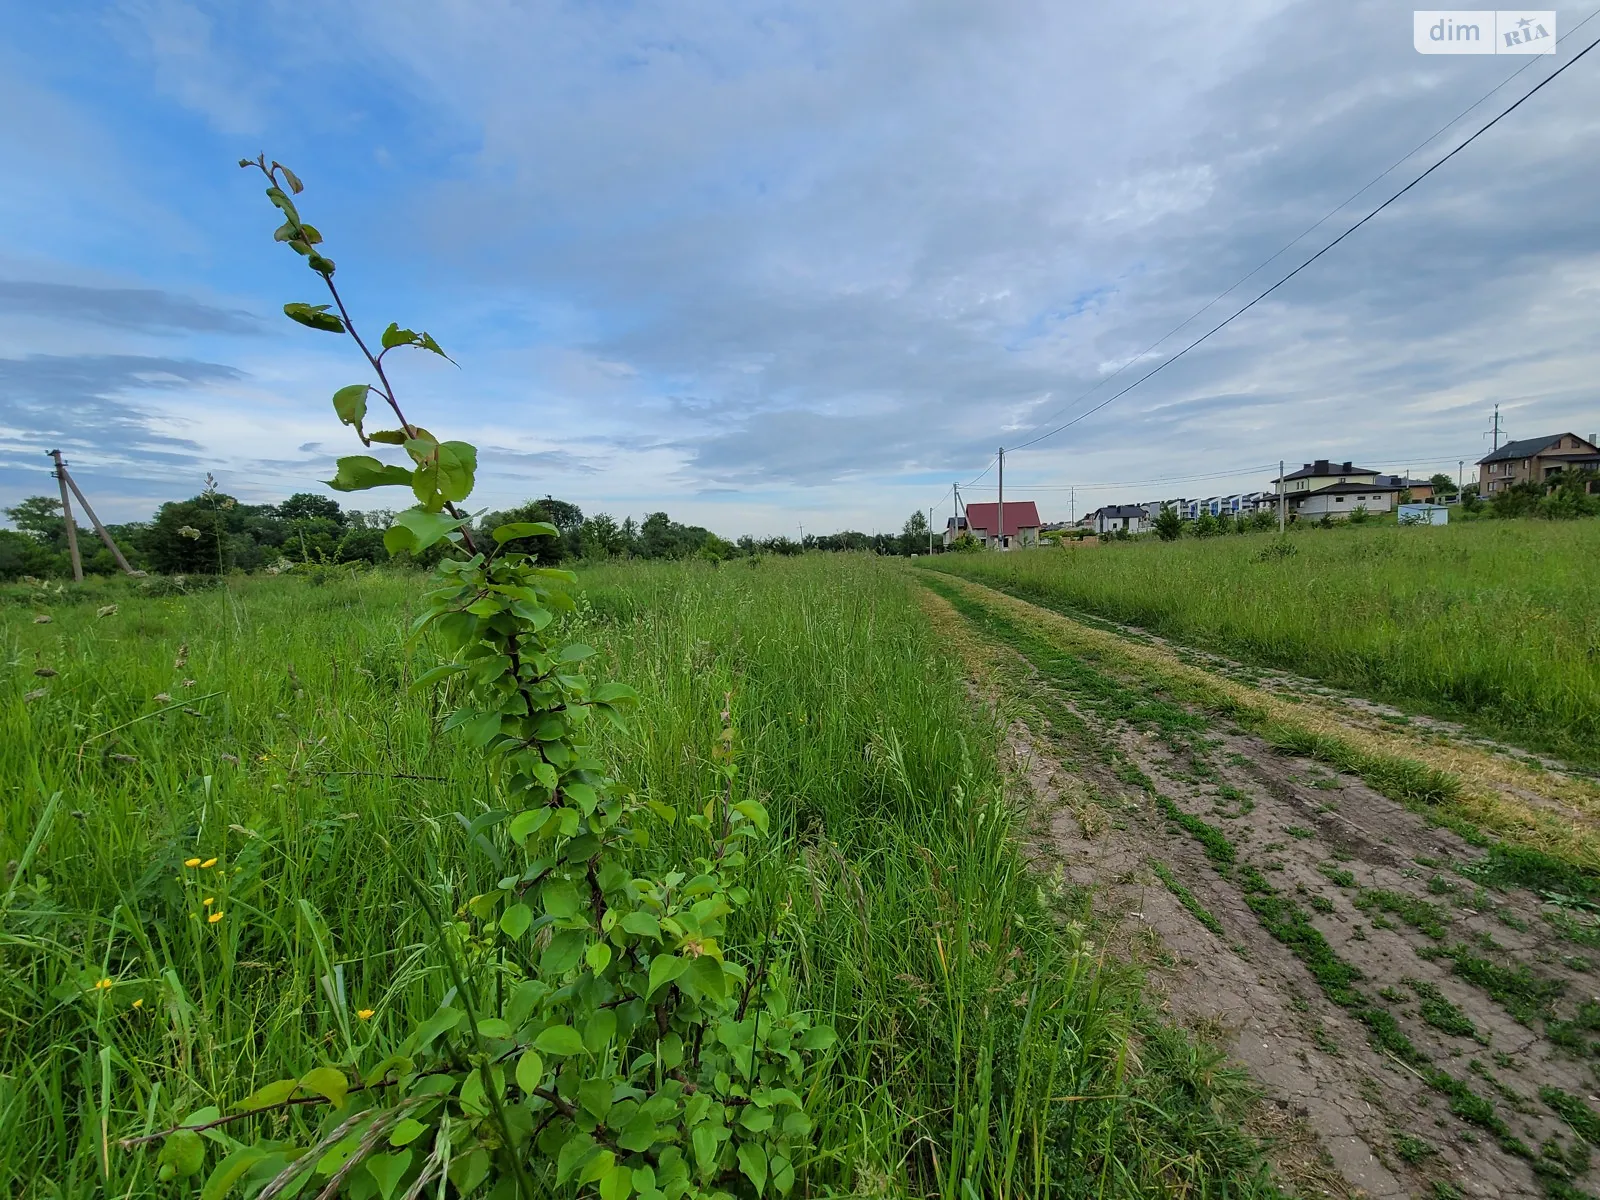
[{"x": 771, "y": 264}]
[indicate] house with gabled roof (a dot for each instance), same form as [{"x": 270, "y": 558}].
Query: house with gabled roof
[
  {"x": 982, "y": 521},
  {"x": 1535, "y": 460}
]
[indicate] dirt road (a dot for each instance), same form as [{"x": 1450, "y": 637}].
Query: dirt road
[{"x": 1417, "y": 997}]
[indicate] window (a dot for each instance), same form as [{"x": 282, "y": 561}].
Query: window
[{"x": 1338, "y": 499}]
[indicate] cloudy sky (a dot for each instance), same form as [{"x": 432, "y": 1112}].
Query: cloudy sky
[{"x": 772, "y": 264}]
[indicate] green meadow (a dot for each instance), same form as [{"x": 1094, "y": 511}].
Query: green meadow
[
  {"x": 264, "y": 731},
  {"x": 1493, "y": 622}
]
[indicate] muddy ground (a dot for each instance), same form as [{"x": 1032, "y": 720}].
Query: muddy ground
[{"x": 1418, "y": 1026}]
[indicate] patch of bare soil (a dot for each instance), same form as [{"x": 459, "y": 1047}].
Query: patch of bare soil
[{"x": 1488, "y": 985}]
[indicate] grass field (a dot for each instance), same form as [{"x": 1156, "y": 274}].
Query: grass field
[
  {"x": 1497, "y": 622},
  {"x": 987, "y": 1048}
]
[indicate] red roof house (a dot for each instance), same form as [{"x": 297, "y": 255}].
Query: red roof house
[{"x": 1022, "y": 523}]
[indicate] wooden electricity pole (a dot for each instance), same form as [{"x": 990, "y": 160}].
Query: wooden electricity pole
[
  {"x": 67, "y": 481},
  {"x": 1280, "y": 497},
  {"x": 66, "y": 511},
  {"x": 1000, "y": 516}
]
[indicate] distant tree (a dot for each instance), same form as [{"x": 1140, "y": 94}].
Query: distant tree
[
  {"x": 40, "y": 518},
  {"x": 191, "y": 537},
  {"x": 914, "y": 534},
  {"x": 1168, "y": 524},
  {"x": 304, "y": 505},
  {"x": 548, "y": 550},
  {"x": 1263, "y": 519},
  {"x": 966, "y": 543},
  {"x": 560, "y": 513},
  {"x": 1404, "y": 497},
  {"x": 1359, "y": 515},
  {"x": 1443, "y": 485},
  {"x": 1207, "y": 525},
  {"x": 600, "y": 537}
]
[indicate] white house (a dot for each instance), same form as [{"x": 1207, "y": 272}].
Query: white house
[
  {"x": 1119, "y": 518},
  {"x": 1337, "y": 501}
]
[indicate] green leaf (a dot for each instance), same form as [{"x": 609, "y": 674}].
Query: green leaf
[
  {"x": 458, "y": 465},
  {"x": 573, "y": 1152},
  {"x": 350, "y": 403},
  {"x": 436, "y": 674},
  {"x": 530, "y": 1070},
  {"x": 481, "y": 729},
  {"x": 279, "y": 198},
  {"x": 230, "y": 1170},
  {"x": 526, "y": 822},
  {"x": 273, "y": 1093},
  {"x": 564, "y": 951},
  {"x": 406, "y": 1132},
  {"x": 522, "y": 529},
  {"x": 416, "y": 529},
  {"x": 598, "y": 956},
  {"x": 664, "y": 968},
  {"x": 599, "y": 1029},
  {"x": 613, "y": 693},
  {"x": 358, "y": 472},
  {"x": 494, "y": 1027},
  {"x": 705, "y": 1146},
  {"x": 642, "y": 924},
  {"x": 594, "y": 1097},
  {"x": 782, "y": 1174},
  {"x": 427, "y": 343},
  {"x": 182, "y": 1154},
  {"x": 818, "y": 1037},
  {"x": 443, "y": 1021},
  {"x": 291, "y": 179},
  {"x": 388, "y": 1169},
  {"x": 753, "y": 1162},
  {"x": 395, "y": 336},
  {"x": 561, "y": 898},
  {"x": 575, "y": 652},
  {"x": 515, "y": 920},
  {"x": 328, "y": 1082},
  {"x": 389, "y": 437},
  {"x": 617, "y": 1184},
  {"x": 559, "y": 1041},
  {"x": 314, "y": 316}
]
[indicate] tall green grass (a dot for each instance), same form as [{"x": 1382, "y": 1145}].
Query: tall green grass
[
  {"x": 1495, "y": 622},
  {"x": 986, "y": 1049}
]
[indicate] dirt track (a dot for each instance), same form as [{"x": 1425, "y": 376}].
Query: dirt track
[{"x": 1482, "y": 989}]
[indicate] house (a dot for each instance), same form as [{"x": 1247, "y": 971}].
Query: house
[
  {"x": 982, "y": 521},
  {"x": 1320, "y": 474},
  {"x": 1338, "y": 500},
  {"x": 1120, "y": 518},
  {"x": 1420, "y": 489},
  {"x": 1535, "y": 460}
]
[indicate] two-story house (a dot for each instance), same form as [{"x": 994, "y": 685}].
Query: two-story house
[
  {"x": 1535, "y": 460},
  {"x": 1120, "y": 518},
  {"x": 1334, "y": 489}
]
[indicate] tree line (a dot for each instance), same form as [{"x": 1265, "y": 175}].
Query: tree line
[{"x": 215, "y": 533}]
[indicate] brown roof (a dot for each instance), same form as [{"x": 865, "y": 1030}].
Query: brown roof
[{"x": 1020, "y": 515}]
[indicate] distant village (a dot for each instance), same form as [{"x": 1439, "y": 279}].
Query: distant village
[{"x": 1320, "y": 490}]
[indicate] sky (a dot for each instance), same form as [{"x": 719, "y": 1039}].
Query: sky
[{"x": 774, "y": 266}]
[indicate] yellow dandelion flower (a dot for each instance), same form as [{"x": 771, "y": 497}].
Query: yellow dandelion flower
[
  {"x": 208, "y": 864},
  {"x": 365, "y": 1013},
  {"x": 214, "y": 918},
  {"x": 191, "y": 862},
  {"x": 209, "y": 901},
  {"x": 103, "y": 985},
  {"x": 139, "y": 1003}
]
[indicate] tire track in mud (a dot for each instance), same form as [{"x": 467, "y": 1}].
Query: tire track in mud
[{"x": 1432, "y": 1026}]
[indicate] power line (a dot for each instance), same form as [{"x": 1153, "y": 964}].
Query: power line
[
  {"x": 1223, "y": 324},
  {"x": 1410, "y": 460},
  {"x": 1287, "y": 246}
]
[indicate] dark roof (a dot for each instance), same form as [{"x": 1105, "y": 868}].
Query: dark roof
[
  {"x": 1323, "y": 467},
  {"x": 1115, "y": 511},
  {"x": 1342, "y": 489},
  {"x": 1524, "y": 447},
  {"x": 1020, "y": 515}
]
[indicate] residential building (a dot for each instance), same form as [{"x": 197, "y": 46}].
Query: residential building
[
  {"x": 1323, "y": 473},
  {"x": 982, "y": 520},
  {"x": 1535, "y": 460},
  {"x": 1420, "y": 489},
  {"x": 1121, "y": 518},
  {"x": 1338, "y": 500}
]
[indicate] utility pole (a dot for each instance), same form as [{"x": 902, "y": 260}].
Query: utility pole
[
  {"x": 1072, "y": 505},
  {"x": 930, "y": 531},
  {"x": 1000, "y": 516},
  {"x": 1461, "y": 465},
  {"x": 1280, "y": 497},
  {"x": 1495, "y": 430},
  {"x": 100, "y": 529},
  {"x": 66, "y": 511}
]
